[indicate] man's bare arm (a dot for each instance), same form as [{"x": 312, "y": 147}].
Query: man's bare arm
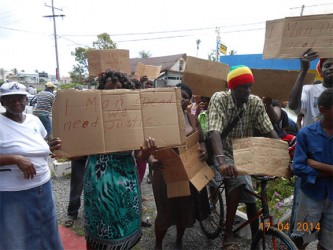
[{"x": 296, "y": 91}]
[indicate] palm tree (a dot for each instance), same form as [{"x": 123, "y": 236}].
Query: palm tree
[
  {"x": 232, "y": 52},
  {"x": 144, "y": 54},
  {"x": 198, "y": 43},
  {"x": 15, "y": 71}
]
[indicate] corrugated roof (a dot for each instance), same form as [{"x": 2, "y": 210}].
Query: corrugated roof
[
  {"x": 256, "y": 61},
  {"x": 165, "y": 61}
]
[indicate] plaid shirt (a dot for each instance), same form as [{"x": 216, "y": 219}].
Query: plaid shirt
[{"x": 222, "y": 110}]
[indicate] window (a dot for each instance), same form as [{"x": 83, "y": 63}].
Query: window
[{"x": 181, "y": 65}]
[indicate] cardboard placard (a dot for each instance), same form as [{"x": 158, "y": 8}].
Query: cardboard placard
[
  {"x": 101, "y": 121},
  {"x": 186, "y": 167},
  {"x": 261, "y": 156},
  {"x": 152, "y": 72},
  {"x": 276, "y": 84},
  {"x": 99, "y": 60},
  {"x": 291, "y": 36},
  {"x": 205, "y": 77}
]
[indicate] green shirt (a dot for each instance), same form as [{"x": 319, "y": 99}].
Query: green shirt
[{"x": 222, "y": 110}]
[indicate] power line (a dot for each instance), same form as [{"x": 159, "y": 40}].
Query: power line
[
  {"x": 316, "y": 5},
  {"x": 172, "y": 31}
]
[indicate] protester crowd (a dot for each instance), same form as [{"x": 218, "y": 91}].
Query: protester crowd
[{"x": 111, "y": 182}]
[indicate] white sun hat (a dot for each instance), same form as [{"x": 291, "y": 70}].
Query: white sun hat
[{"x": 13, "y": 88}]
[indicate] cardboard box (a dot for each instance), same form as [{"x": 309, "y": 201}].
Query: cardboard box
[
  {"x": 101, "y": 121},
  {"x": 291, "y": 36},
  {"x": 276, "y": 84},
  {"x": 261, "y": 156},
  {"x": 180, "y": 170},
  {"x": 205, "y": 77},
  {"x": 99, "y": 60},
  {"x": 152, "y": 72}
]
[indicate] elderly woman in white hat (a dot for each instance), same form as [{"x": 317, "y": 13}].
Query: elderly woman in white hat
[{"x": 27, "y": 212}]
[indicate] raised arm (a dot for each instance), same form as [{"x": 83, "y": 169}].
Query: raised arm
[{"x": 296, "y": 91}]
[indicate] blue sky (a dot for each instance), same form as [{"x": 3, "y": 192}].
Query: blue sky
[{"x": 161, "y": 27}]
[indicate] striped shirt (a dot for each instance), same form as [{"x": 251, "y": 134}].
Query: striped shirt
[
  {"x": 44, "y": 100},
  {"x": 222, "y": 110}
]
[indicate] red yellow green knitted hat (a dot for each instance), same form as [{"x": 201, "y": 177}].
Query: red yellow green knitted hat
[
  {"x": 239, "y": 75},
  {"x": 320, "y": 65}
]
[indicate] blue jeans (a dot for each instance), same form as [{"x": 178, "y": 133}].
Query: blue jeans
[
  {"x": 47, "y": 122},
  {"x": 297, "y": 188},
  {"x": 77, "y": 174},
  {"x": 28, "y": 219},
  {"x": 314, "y": 219}
]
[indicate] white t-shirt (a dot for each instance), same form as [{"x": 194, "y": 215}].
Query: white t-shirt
[
  {"x": 26, "y": 139},
  {"x": 309, "y": 103}
]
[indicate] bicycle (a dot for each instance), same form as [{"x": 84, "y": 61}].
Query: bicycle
[{"x": 268, "y": 236}]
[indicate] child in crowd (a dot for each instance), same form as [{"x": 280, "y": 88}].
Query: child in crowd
[{"x": 313, "y": 163}]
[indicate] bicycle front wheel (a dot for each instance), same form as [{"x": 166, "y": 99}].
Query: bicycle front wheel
[
  {"x": 272, "y": 239},
  {"x": 213, "y": 225}
]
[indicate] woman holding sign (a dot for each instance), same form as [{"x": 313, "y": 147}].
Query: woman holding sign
[
  {"x": 179, "y": 211},
  {"x": 112, "y": 198}
]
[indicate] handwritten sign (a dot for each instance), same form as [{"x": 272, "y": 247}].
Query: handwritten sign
[
  {"x": 276, "y": 84},
  {"x": 291, "y": 36},
  {"x": 101, "y": 121},
  {"x": 186, "y": 167},
  {"x": 152, "y": 72},
  {"x": 261, "y": 156},
  {"x": 100, "y": 60},
  {"x": 205, "y": 77}
]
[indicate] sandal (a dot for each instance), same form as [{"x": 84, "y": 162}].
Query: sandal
[
  {"x": 230, "y": 245},
  {"x": 149, "y": 179},
  {"x": 145, "y": 224},
  {"x": 70, "y": 221}
]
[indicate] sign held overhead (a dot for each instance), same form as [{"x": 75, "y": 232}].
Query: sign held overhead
[
  {"x": 152, "y": 72},
  {"x": 205, "y": 77},
  {"x": 276, "y": 84},
  {"x": 291, "y": 36},
  {"x": 100, "y": 60}
]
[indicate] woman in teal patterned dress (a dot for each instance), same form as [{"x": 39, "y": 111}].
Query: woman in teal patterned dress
[
  {"x": 112, "y": 198},
  {"x": 112, "y": 201}
]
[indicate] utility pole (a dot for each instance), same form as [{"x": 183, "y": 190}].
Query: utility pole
[
  {"x": 303, "y": 6},
  {"x": 55, "y": 36},
  {"x": 217, "y": 43}
]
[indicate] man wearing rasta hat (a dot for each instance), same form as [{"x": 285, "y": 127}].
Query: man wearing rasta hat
[{"x": 222, "y": 109}]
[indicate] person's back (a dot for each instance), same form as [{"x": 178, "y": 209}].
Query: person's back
[
  {"x": 45, "y": 101},
  {"x": 43, "y": 108}
]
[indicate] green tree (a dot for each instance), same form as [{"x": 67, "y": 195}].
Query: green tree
[
  {"x": 79, "y": 74},
  {"x": 104, "y": 42},
  {"x": 144, "y": 54}
]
